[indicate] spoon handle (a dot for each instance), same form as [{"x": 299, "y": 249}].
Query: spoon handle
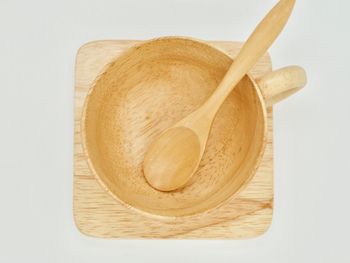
[{"x": 256, "y": 45}]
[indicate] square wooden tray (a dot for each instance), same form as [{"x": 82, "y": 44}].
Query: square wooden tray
[{"x": 98, "y": 214}]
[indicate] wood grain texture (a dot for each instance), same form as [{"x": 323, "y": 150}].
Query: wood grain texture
[
  {"x": 148, "y": 89},
  {"x": 98, "y": 214}
]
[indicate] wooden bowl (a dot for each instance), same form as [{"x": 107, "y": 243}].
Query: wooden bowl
[{"x": 149, "y": 88}]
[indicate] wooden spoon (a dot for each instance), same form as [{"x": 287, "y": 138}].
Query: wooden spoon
[{"x": 174, "y": 156}]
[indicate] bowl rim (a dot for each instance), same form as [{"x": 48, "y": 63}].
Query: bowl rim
[{"x": 140, "y": 210}]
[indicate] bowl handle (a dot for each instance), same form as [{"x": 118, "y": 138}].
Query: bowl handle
[{"x": 280, "y": 84}]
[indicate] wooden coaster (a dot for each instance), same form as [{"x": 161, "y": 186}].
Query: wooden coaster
[{"x": 98, "y": 214}]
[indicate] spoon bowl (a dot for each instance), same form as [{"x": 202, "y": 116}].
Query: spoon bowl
[{"x": 165, "y": 156}]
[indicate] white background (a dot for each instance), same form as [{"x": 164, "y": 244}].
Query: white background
[{"x": 38, "y": 43}]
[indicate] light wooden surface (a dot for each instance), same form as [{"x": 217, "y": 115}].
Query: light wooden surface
[
  {"x": 174, "y": 156},
  {"x": 97, "y": 213}
]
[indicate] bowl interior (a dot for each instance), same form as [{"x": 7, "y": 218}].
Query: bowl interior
[{"x": 149, "y": 88}]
